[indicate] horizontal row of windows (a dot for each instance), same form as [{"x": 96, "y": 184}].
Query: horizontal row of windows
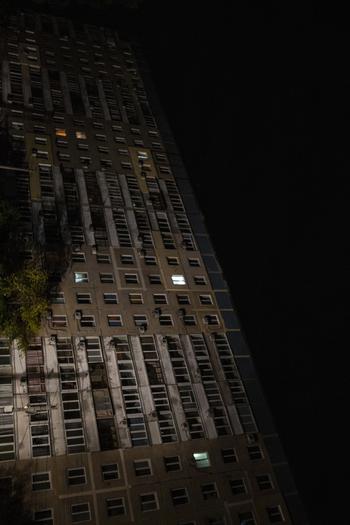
[
  {"x": 87, "y": 320},
  {"x": 81, "y": 512},
  {"x": 133, "y": 278},
  {"x": 134, "y": 298},
  {"x": 127, "y": 259}
]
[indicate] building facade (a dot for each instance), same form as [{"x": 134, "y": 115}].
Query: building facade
[{"x": 138, "y": 401}]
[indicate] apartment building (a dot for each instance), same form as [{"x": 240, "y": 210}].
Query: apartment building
[{"x": 137, "y": 402}]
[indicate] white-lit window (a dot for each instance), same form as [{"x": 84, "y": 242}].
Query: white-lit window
[
  {"x": 81, "y": 277},
  {"x": 80, "y": 135},
  {"x": 178, "y": 280},
  {"x": 201, "y": 459}
]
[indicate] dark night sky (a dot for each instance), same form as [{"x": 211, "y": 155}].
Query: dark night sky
[{"x": 258, "y": 100}]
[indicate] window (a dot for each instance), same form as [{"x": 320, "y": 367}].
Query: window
[
  {"x": 238, "y": 486},
  {"x": 110, "y": 472},
  {"x": 78, "y": 257},
  {"x": 41, "y": 481},
  {"x": 211, "y": 320},
  {"x": 115, "y": 506},
  {"x": 183, "y": 299},
  {"x": 216, "y": 521},
  {"x": 5, "y": 354},
  {"x": 101, "y": 137},
  {"x": 149, "y": 501},
  {"x": 228, "y": 455},
  {"x": 81, "y": 277},
  {"x": 172, "y": 463},
  {"x": 275, "y": 514},
  {"x": 103, "y": 258},
  {"x": 173, "y": 261},
  {"x": 106, "y": 278},
  {"x": 135, "y": 298},
  {"x": 194, "y": 262},
  {"x": 142, "y": 467},
  {"x": 179, "y": 496},
  {"x": 127, "y": 259},
  {"x": 59, "y": 132},
  {"x": 115, "y": 320},
  {"x": 84, "y": 298},
  {"x": 189, "y": 320},
  {"x": 205, "y": 299},
  {"x": 76, "y": 476},
  {"x": 154, "y": 279},
  {"x": 80, "y": 512},
  {"x": 254, "y": 452},
  {"x": 80, "y": 135},
  {"x": 209, "y": 491},
  {"x": 264, "y": 482},
  {"x": 199, "y": 280},
  {"x": 150, "y": 260},
  {"x": 110, "y": 298},
  {"x": 246, "y": 518},
  {"x": 178, "y": 280},
  {"x": 165, "y": 320},
  {"x": 131, "y": 278},
  {"x": 44, "y": 516},
  {"x": 57, "y": 298},
  {"x": 201, "y": 459},
  {"x": 87, "y": 321},
  {"x": 59, "y": 321},
  {"x": 160, "y": 298},
  {"x": 140, "y": 320}
]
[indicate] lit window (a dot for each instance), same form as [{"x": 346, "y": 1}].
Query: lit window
[
  {"x": 178, "y": 280},
  {"x": 81, "y": 277},
  {"x": 80, "y": 134},
  {"x": 201, "y": 459},
  {"x": 60, "y": 132}
]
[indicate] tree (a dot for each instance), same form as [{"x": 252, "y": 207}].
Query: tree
[{"x": 24, "y": 302}]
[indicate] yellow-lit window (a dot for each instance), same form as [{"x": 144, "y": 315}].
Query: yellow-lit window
[
  {"x": 60, "y": 132},
  {"x": 80, "y": 134}
]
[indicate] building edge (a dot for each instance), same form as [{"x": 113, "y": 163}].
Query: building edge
[{"x": 235, "y": 335}]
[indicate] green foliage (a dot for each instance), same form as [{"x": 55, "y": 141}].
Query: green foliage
[{"x": 24, "y": 303}]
